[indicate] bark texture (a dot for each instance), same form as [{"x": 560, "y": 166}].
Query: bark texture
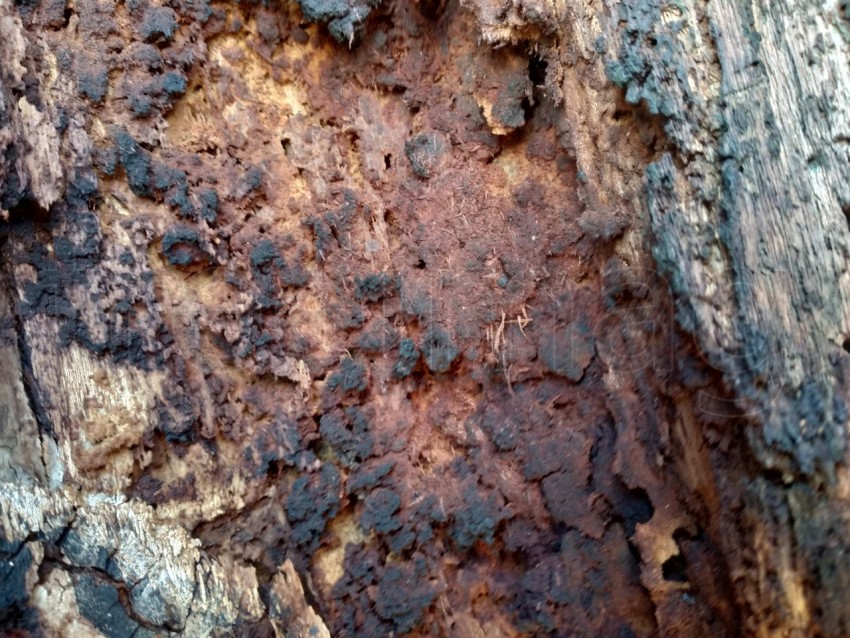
[{"x": 359, "y": 318}]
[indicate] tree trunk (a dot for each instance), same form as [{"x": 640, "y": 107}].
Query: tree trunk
[{"x": 360, "y": 318}]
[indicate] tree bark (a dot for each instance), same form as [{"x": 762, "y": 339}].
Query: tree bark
[{"x": 359, "y": 318}]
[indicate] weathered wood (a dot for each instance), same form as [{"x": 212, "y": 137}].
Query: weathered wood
[
  {"x": 747, "y": 197},
  {"x": 332, "y": 302},
  {"x": 89, "y": 556}
]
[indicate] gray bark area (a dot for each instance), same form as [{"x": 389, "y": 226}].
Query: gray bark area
[{"x": 709, "y": 144}]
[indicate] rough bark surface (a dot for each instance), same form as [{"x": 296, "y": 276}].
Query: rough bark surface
[{"x": 359, "y": 318}]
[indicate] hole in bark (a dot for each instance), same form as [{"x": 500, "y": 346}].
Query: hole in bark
[
  {"x": 846, "y": 345},
  {"x": 776, "y": 476},
  {"x": 276, "y": 468},
  {"x": 420, "y": 264},
  {"x": 388, "y": 161},
  {"x": 286, "y": 145},
  {"x": 27, "y": 211},
  {"x": 673, "y": 569},
  {"x": 67, "y": 15},
  {"x": 635, "y": 507},
  {"x": 537, "y": 70},
  {"x": 845, "y": 208},
  {"x": 431, "y": 8},
  {"x": 528, "y": 108}
]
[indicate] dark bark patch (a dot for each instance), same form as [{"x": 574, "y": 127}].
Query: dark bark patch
[
  {"x": 99, "y": 602},
  {"x": 567, "y": 350},
  {"x": 439, "y": 350},
  {"x": 158, "y": 24},
  {"x": 312, "y": 502},
  {"x": 403, "y": 595}
]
